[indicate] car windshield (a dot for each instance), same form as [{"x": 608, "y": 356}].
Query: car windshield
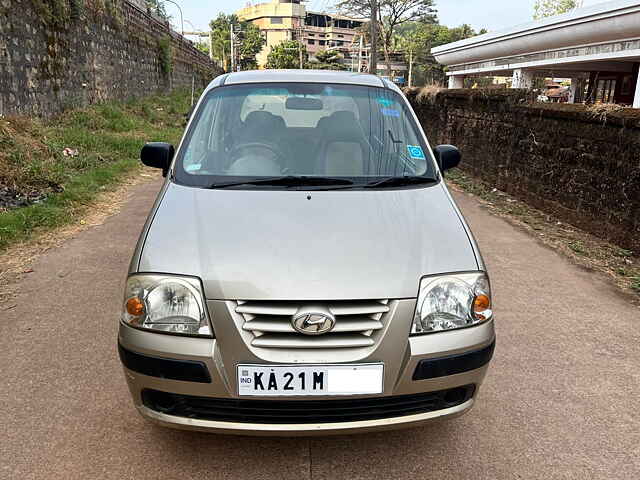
[{"x": 340, "y": 134}]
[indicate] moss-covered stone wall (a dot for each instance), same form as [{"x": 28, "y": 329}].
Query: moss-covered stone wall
[
  {"x": 59, "y": 54},
  {"x": 582, "y": 167}
]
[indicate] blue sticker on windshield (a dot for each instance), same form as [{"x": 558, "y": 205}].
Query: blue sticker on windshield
[
  {"x": 390, "y": 112},
  {"x": 416, "y": 152},
  {"x": 386, "y": 102}
]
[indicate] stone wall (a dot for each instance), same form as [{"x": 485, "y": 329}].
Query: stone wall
[
  {"x": 59, "y": 54},
  {"x": 564, "y": 159}
]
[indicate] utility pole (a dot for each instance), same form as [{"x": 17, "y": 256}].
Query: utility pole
[
  {"x": 300, "y": 52},
  {"x": 360, "y": 53},
  {"x": 300, "y": 40},
  {"x": 410, "y": 66},
  {"x": 233, "y": 57},
  {"x": 211, "y": 45},
  {"x": 373, "y": 53}
]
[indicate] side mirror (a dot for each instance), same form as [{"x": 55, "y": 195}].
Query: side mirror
[
  {"x": 158, "y": 155},
  {"x": 447, "y": 156}
]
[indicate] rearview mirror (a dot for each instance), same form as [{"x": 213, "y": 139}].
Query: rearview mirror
[
  {"x": 447, "y": 157},
  {"x": 303, "y": 103},
  {"x": 158, "y": 155}
]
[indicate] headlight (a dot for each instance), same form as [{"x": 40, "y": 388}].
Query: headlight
[
  {"x": 447, "y": 302},
  {"x": 166, "y": 303}
]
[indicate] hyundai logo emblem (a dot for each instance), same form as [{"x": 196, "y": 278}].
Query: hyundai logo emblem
[{"x": 313, "y": 323}]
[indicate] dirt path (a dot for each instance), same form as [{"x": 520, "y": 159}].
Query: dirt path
[{"x": 559, "y": 401}]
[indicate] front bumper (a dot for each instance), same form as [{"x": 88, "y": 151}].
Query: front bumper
[
  {"x": 302, "y": 429},
  {"x": 430, "y": 363}
]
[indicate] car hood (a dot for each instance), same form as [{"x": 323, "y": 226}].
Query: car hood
[{"x": 300, "y": 245}]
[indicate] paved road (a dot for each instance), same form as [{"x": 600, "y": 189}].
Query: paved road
[{"x": 560, "y": 400}]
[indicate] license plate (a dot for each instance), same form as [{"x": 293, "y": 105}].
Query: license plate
[{"x": 307, "y": 380}]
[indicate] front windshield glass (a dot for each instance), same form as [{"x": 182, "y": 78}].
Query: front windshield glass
[{"x": 257, "y": 131}]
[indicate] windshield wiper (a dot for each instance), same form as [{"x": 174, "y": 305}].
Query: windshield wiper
[
  {"x": 287, "y": 181},
  {"x": 400, "y": 181}
]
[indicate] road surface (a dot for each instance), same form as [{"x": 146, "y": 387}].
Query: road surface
[{"x": 560, "y": 401}]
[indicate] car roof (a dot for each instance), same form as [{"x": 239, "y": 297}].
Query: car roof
[{"x": 302, "y": 76}]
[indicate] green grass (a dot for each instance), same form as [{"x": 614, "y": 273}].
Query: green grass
[
  {"x": 108, "y": 138},
  {"x": 578, "y": 247}
]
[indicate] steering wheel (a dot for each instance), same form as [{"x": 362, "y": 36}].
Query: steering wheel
[{"x": 238, "y": 148}]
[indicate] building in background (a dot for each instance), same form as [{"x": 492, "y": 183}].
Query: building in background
[
  {"x": 282, "y": 20},
  {"x": 598, "y": 48}
]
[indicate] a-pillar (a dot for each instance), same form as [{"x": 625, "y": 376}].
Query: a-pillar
[
  {"x": 456, "y": 81},
  {"x": 636, "y": 99},
  {"x": 522, "y": 78}
]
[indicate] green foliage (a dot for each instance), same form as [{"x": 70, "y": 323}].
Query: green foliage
[
  {"x": 221, "y": 39},
  {"x": 327, "y": 60},
  {"x": 108, "y": 138},
  {"x": 157, "y": 7},
  {"x": 55, "y": 14},
  {"x": 418, "y": 38},
  {"x": 203, "y": 47},
  {"x": 550, "y": 8},
  {"x": 392, "y": 14},
  {"x": 249, "y": 41},
  {"x": 165, "y": 55},
  {"x": 287, "y": 55}
]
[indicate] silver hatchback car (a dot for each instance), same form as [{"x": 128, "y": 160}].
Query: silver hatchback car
[{"x": 304, "y": 269}]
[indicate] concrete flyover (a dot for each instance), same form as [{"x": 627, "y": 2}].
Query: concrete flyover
[{"x": 597, "y": 47}]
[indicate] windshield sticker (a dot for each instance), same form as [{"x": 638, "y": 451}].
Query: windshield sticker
[
  {"x": 390, "y": 112},
  {"x": 271, "y": 92},
  {"x": 385, "y": 102},
  {"x": 415, "y": 152}
]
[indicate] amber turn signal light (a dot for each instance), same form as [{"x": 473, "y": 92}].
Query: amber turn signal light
[
  {"x": 135, "y": 306},
  {"x": 481, "y": 303}
]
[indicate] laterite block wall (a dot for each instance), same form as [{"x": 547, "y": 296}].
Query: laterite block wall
[
  {"x": 582, "y": 168},
  {"x": 59, "y": 54}
]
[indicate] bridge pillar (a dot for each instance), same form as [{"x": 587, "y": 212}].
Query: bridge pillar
[
  {"x": 574, "y": 92},
  {"x": 522, "y": 78},
  {"x": 456, "y": 81}
]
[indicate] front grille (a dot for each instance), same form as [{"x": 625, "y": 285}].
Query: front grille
[
  {"x": 303, "y": 411},
  {"x": 269, "y": 322}
]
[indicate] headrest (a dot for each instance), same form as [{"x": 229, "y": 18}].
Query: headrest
[
  {"x": 260, "y": 119},
  {"x": 341, "y": 126}
]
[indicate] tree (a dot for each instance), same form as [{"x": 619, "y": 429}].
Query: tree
[
  {"x": 287, "y": 55},
  {"x": 549, "y": 8},
  {"x": 157, "y": 7},
  {"x": 327, "y": 60},
  {"x": 409, "y": 44},
  {"x": 249, "y": 41},
  {"x": 392, "y": 14},
  {"x": 203, "y": 47},
  {"x": 221, "y": 39},
  {"x": 416, "y": 39}
]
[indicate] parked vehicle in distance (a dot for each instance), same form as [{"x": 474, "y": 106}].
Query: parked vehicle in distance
[{"x": 304, "y": 269}]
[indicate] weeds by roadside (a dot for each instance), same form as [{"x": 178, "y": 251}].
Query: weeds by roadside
[
  {"x": 622, "y": 265},
  {"x": 54, "y": 169}
]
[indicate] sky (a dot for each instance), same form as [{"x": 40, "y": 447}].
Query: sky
[{"x": 490, "y": 14}]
